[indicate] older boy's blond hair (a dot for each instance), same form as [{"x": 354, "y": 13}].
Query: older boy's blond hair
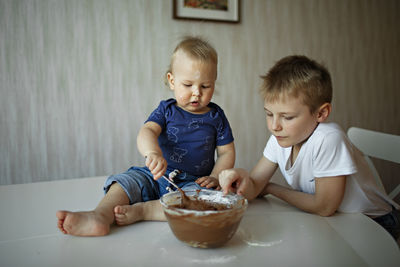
[
  {"x": 196, "y": 48},
  {"x": 298, "y": 76}
]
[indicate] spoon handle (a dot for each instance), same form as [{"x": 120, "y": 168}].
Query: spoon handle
[{"x": 177, "y": 187}]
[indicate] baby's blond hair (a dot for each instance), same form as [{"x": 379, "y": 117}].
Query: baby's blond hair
[
  {"x": 298, "y": 76},
  {"x": 196, "y": 48}
]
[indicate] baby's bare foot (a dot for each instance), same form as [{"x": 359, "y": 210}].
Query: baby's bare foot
[
  {"x": 87, "y": 223},
  {"x": 128, "y": 214}
]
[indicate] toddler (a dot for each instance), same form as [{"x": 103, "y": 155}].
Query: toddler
[{"x": 182, "y": 133}]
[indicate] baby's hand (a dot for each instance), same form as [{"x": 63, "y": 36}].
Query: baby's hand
[
  {"x": 208, "y": 182},
  {"x": 156, "y": 164}
]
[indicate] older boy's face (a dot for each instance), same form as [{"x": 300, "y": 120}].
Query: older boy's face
[
  {"x": 290, "y": 121},
  {"x": 193, "y": 83}
]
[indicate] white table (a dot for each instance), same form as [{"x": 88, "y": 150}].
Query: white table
[{"x": 271, "y": 233}]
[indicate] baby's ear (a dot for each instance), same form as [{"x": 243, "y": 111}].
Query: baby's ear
[
  {"x": 324, "y": 111},
  {"x": 171, "y": 81}
]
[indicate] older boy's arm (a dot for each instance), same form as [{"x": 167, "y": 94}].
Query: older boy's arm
[
  {"x": 248, "y": 185},
  {"x": 260, "y": 176},
  {"x": 147, "y": 142},
  {"x": 329, "y": 192}
]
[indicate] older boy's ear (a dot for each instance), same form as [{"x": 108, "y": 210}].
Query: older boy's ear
[
  {"x": 324, "y": 111},
  {"x": 171, "y": 80}
]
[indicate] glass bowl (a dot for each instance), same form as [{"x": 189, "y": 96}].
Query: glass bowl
[{"x": 204, "y": 228}]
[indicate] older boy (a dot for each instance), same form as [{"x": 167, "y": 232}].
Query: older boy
[{"x": 325, "y": 171}]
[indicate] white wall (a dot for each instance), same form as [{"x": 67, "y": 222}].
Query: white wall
[{"x": 78, "y": 78}]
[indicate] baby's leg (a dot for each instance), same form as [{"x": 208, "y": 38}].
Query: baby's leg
[
  {"x": 96, "y": 222},
  {"x": 149, "y": 211}
]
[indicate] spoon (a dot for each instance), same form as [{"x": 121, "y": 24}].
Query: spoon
[{"x": 185, "y": 199}]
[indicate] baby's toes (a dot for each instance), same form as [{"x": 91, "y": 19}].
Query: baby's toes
[
  {"x": 120, "y": 211},
  {"x": 120, "y": 214}
]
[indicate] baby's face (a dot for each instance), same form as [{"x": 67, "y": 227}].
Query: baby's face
[
  {"x": 290, "y": 120},
  {"x": 193, "y": 83}
]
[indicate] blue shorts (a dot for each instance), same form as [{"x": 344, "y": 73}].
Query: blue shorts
[{"x": 139, "y": 185}]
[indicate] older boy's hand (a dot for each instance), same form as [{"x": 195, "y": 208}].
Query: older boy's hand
[
  {"x": 233, "y": 180},
  {"x": 156, "y": 164},
  {"x": 208, "y": 182}
]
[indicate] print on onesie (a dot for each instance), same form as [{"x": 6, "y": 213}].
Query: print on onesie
[
  {"x": 220, "y": 131},
  {"x": 209, "y": 143},
  {"x": 178, "y": 154},
  {"x": 157, "y": 114},
  {"x": 195, "y": 123},
  {"x": 203, "y": 165},
  {"x": 172, "y": 133}
]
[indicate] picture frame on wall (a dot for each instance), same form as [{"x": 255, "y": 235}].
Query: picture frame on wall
[{"x": 207, "y": 10}]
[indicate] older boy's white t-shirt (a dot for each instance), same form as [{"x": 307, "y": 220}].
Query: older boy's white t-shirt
[{"x": 328, "y": 152}]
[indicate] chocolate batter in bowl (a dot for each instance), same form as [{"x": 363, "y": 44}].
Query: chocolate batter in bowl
[{"x": 209, "y": 220}]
